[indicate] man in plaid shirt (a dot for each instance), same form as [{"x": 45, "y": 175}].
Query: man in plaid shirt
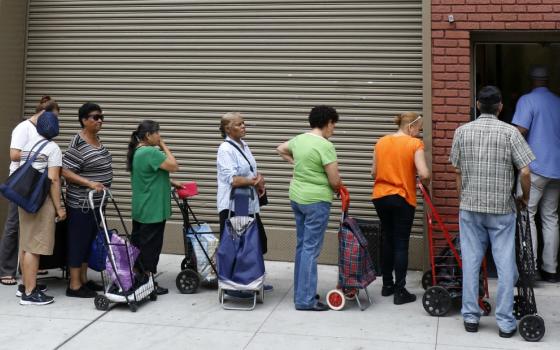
[{"x": 484, "y": 154}]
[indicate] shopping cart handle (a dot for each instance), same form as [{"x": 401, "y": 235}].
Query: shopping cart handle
[
  {"x": 344, "y": 198},
  {"x": 423, "y": 189},
  {"x": 188, "y": 189},
  {"x": 90, "y": 197}
]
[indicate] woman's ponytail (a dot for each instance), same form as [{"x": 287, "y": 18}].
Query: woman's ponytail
[
  {"x": 145, "y": 128},
  {"x": 132, "y": 144}
]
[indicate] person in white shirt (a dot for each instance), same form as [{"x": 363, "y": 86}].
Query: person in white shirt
[
  {"x": 21, "y": 134},
  {"x": 37, "y": 229},
  {"x": 237, "y": 168}
]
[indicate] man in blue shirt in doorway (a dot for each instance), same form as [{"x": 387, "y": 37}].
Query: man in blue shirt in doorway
[{"x": 537, "y": 116}]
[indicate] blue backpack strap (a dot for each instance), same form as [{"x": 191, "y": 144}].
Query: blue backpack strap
[{"x": 29, "y": 161}]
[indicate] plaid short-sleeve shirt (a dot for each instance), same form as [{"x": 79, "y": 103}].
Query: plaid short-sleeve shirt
[{"x": 486, "y": 152}]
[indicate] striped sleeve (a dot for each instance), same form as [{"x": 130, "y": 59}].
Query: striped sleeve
[{"x": 73, "y": 159}]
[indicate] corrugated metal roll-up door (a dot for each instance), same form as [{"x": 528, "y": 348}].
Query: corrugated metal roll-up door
[{"x": 185, "y": 63}]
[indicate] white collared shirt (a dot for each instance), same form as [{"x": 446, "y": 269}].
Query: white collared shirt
[{"x": 231, "y": 163}]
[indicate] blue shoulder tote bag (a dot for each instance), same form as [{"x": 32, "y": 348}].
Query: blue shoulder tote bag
[{"x": 27, "y": 186}]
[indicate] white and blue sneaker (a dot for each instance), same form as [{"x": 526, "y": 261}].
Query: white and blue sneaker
[
  {"x": 21, "y": 289},
  {"x": 35, "y": 298}
]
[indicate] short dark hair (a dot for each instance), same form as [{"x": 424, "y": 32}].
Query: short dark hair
[
  {"x": 320, "y": 116},
  {"x": 489, "y": 99},
  {"x": 86, "y": 109}
]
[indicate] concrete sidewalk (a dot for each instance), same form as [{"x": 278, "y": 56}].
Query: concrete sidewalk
[{"x": 197, "y": 321}]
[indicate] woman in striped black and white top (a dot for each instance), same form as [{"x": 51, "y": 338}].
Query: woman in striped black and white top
[{"x": 86, "y": 166}]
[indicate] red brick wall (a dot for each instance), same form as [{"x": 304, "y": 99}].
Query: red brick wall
[{"x": 451, "y": 75}]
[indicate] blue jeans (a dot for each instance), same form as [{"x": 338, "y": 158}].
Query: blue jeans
[
  {"x": 476, "y": 231},
  {"x": 311, "y": 224}
]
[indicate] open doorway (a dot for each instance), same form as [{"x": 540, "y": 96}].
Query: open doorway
[
  {"x": 506, "y": 65},
  {"x": 503, "y": 59}
]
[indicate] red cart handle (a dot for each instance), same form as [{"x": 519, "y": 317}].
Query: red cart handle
[{"x": 344, "y": 198}]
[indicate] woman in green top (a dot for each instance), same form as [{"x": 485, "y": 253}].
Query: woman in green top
[
  {"x": 314, "y": 181},
  {"x": 150, "y": 161}
]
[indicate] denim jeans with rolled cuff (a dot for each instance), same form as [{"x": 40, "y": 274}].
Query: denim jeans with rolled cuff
[
  {"x": 311, "y": 224},
  {"x": 477, "y": 230}
]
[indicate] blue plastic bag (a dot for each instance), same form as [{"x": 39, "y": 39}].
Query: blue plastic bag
[{"x": 98, "y": 251}]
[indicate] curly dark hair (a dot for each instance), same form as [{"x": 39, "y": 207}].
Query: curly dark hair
[{"x": 320, "y": 116}]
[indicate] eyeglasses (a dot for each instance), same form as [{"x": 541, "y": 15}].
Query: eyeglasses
[{"x": 97, "y": 117}]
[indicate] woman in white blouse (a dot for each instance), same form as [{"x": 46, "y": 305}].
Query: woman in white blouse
[{"x": 238, "y": 168}]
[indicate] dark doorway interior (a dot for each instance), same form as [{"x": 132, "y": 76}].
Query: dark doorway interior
[{"x": 506, "y": 65}]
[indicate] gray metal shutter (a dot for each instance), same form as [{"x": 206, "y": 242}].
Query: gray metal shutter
[{"x": 185, "y": 63}]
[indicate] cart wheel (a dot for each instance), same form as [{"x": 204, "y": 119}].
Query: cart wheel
[
  {"x": 436, "y": 301},
  {"x": 133, "y": 306},
  {"x": 336, "y": 300},
  {"x": 427, "y": 279},
  {"x": 260, "y": 295},
  {"x": 220, "y": 295},
  {"x": 350, "y": 293},
  {"x": 531, "y": 328},
  {"x": 486, "y": 308},
  {"x": 518, "y": 307},
  {"x": 187, "y": 281},
  {"x": 101, "y": 302},
  {"x": 153, "y": 296}
]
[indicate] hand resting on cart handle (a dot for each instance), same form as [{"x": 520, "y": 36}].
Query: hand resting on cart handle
[
  {"x": 106, "y": 193},
  {"x": 424, "y": 189},
  {"x": 176, "y": 184},
  {"x": 344, "y": 197}
]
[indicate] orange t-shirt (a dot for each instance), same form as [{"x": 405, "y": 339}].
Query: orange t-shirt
[{"x": 395, "y": 169}]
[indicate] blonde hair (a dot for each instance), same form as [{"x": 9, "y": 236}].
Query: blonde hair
[
  {"x": 407, "y": 118},
  {"x": 226, "y": 120}
]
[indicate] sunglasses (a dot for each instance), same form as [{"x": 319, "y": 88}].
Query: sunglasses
[{"x": 97, "y": 117}]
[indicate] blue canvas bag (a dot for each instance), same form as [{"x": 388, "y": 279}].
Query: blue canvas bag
[
  {"x": 28, "y": 187},
  {"x": 240, "y": 258}
]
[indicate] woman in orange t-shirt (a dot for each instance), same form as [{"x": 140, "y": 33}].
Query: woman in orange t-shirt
[{"x": 397, "y": 158}]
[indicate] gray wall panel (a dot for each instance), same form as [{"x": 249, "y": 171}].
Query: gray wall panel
[{"x": 185, "y": 63}]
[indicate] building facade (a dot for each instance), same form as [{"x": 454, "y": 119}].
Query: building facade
[{"x": 185, "y": 63}]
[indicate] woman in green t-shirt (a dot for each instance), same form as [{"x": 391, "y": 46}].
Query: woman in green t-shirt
[
  {"x": 314, "y": 181},
  {"x": 150, "y": 161}
]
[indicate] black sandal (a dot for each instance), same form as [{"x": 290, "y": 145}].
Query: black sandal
[{"x": 8, "y": 281}]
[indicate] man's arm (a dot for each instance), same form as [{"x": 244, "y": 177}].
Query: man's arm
[
  {"x": 522, "y": 130},
  {"x": 525, "y": 180},
  {"x": 458, "y": 181}
]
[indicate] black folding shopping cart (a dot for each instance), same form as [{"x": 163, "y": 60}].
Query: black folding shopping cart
[
  {"x": 200, "y": 245},
  {"x": 531, "y": 325}
]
